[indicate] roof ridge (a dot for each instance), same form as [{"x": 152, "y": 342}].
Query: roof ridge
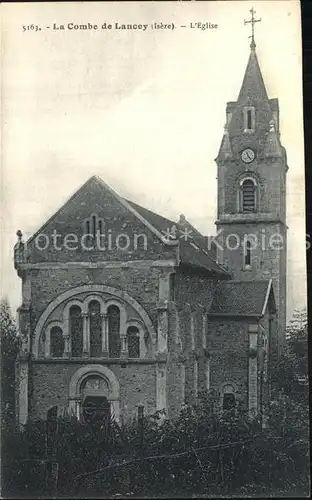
[
  {"x": 191, "y": 225},
  {"x": 151, "y": 211},
  {"x": 205, "y": 238},
  {"x": 188, "y": 241}
]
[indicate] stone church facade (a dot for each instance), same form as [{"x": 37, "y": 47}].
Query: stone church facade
[{"x": 122, "y": 307}]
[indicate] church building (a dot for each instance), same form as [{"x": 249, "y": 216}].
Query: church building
[{"x": 122, "y": 307}]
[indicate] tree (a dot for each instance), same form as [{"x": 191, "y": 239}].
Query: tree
[
  {"x": 299, "y": 321},
  {"x": 9, "y": 439},
  {"x": 9, "y": 349},
  {"x": 292, "y": 369},
  {"x": 290, "y": 374},
  {"x": 297, "y": 344},
  {"x": 290, "y": 379}
]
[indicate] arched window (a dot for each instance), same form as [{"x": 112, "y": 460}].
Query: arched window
[
  {"x": 248, "y": 196},
  {"x": 133, "y": 341},
  {"x": 56, "y": 342},
  {"x": 95, "y": 328},
  {"x": 228, "y": 402},
  {"x": 249, "y": 119},
  {"x": 172, "y": 287},
  {"x": 249, "y": 122},
  {"x": 76, "y": 330},
  {"x": 247, "y": 254},
  {"x": 114, "y": 344},
  {"x": 93, "y": 226}
]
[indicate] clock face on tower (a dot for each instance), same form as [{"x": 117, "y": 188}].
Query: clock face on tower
[{"x": 248, "y": 155}]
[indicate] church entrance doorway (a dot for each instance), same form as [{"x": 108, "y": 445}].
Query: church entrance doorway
[
  {"x": 95, "y": 406},
  {"x": 96, "y": 409}
]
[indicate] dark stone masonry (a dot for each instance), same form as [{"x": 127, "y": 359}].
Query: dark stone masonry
[{"x": 124, "y": 305}]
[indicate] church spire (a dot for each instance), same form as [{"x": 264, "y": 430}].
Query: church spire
[
  {"x": 253, "y": 85},
  {"x": 248, "y": 118},
  {"x": 252, "y": 21}
]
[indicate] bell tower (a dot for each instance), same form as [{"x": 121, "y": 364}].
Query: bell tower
[{"x": 252, "y": 167}]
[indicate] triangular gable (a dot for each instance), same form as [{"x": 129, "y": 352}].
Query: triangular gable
[
  {"x": 98, "y": 199},
  {"x": 118, "y": 198}
]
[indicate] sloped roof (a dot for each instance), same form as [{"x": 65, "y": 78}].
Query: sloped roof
[
  {"x": 192, "y": 250},
  {"x": 193, "y": 255},
  {"x": 253, "y": 84},
  {"x": 241, "y": 298},
  {"x": 158, "y": 221},
  {"x": 199, "y": 238}
]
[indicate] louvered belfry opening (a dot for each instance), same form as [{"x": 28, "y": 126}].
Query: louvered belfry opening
[{"x": 249, "y": 196}]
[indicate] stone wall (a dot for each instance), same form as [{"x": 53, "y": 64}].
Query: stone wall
[
  {"x": 220, "y": 343},
  {"x": 193, "y": 288},
  {"x": 141, "y": 284},
  {"x": 50, "y": 386},
  {"x": 195, "y": 342},
  {"x": 228, "y": 348},
  {"x": 268, "y": 262}
]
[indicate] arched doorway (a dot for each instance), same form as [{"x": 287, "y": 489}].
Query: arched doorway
[
  {"x": 94, "y": 393},
  {"x": 95, "y": 406},
  {"x": 228, "y": 397}
]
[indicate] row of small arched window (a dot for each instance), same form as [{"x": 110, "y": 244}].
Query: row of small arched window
[{"x": 57, "y": 343}]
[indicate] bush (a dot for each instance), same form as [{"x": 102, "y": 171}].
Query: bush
[{"x": 198, "y": 452}]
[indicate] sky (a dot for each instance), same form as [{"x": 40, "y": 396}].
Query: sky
[{"x": 144, "y": 110}]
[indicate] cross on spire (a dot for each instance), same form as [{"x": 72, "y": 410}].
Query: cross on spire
[{"x": 253, "y": 21}]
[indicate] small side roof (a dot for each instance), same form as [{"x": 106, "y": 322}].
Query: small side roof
[{"x": 242, "y": 298}]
